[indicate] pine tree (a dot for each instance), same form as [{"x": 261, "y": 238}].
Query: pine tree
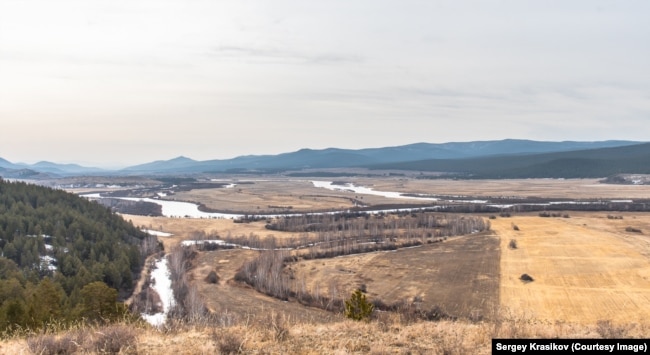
[{"x": 358, "y": 307}]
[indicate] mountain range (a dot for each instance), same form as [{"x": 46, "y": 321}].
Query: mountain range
[{"x": 500, "y": 158}]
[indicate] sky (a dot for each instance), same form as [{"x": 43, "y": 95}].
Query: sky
[{"x": 116, "y": 83}]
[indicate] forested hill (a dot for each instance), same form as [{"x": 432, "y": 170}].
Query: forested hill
[
  {"x": 54, "y": 245},
  {"x": 591, "y": 163}
]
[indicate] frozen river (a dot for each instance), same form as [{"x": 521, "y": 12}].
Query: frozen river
[{"x": 179, "y": 209}]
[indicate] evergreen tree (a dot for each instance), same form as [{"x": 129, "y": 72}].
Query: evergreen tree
[{"x": 358, "y": 307}]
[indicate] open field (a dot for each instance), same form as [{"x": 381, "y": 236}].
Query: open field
[
  {"x": 269, "y": 196},
  {"x": 272, "y": 196},
  {"x": 585, "y": 268},
  {"x": 241, "y": 301},
  {"x": 433, "y": 275},
  {"x": 549, "y": 188},
  {"x": 191, "y": 229}
]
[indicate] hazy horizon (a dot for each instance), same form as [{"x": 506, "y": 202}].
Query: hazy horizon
[
  {"x": 114, "y": 84},
  {"x": 121, "y": 166}
]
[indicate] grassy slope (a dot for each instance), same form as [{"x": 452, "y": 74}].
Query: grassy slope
[{"x": 388, "y": 336}]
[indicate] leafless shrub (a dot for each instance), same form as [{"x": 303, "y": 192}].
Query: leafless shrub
[
  {"x": 148, "y": 301},
  {"x": 265, "y": 274},
  {"x": 276, "y": 324},
  {"x": 50, "y": 344},
  {"x": 227, "y": 343},
  {"x": 114, "y": 339},
  {"x": 515, "y": 227},
  {"x": 512, "y": 244},
  {"x": 212, "y": 277},
  {"x": 633, "y": 230},
  {"x": 607, "y": 330}
]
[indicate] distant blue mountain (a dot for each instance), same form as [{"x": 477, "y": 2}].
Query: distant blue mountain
[
  {"x": 418, "y": 156},
  {"x": 43, "y": 169},
  {"x": 586, "y": 163},
  {"x": 341, "y": 158}
]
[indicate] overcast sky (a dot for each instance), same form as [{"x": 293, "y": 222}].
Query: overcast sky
[{"x": 114, "y": 83}]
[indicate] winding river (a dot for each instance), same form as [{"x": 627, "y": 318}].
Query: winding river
[{"x": 178, "y": 209}]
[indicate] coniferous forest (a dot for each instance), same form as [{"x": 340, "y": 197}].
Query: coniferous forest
[{"x": 63, "y": 258}]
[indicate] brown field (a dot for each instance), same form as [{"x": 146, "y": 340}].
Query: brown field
[
  {"x": 549, "y": 188},
  {"x": 275, "y": 195},
  {"x": 241, "y": 301},
  {"x": 434, "y": 274},
  {"x": 189, "y": 229},
  {"x": 269, "y": 196},
  {"x": 585, "y": 268}
]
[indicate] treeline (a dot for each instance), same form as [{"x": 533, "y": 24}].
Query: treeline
[
  {"x": 140, "y": 208},
  {"x": 395, "y": 224},
  {"x": 57, "y": 240}
]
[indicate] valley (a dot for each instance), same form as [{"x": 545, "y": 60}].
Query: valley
[
  {"x": 586, "y": 251},
  {"x": 400, "y": 240}
]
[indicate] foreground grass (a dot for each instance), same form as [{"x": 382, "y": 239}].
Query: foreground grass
[{"x": 388, "y": 335}]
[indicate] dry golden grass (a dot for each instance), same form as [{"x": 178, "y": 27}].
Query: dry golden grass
[
  {"x": 547, "y": 188},
  {"x": 188, "y": 229},
  {"x": 459, "y": 275},
  {"x": 582, "y": 272},
  {"x": 241, "y": 302},
  {"x": 268, "y": 196},
  {"x": 274, "y": 334}
]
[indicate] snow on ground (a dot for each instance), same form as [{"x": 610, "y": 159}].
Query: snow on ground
[
  {"x": 187, "y": 243},
  {"x": 91, "y": 196},
  {"x": 48, "y": 262},
  {"x": 157, "y": 233},
  {"x": 182, "y": 209},
  {"x": 367, "y": 191},
  {"x": 162, "y": 284}
]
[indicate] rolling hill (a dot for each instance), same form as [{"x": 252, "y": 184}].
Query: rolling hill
[
  {"x": 602, "y": 162},
  {"x": 342, "y": 158},
  {"x": 501, "y": 158}
]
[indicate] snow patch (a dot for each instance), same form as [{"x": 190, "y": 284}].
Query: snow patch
[
  {"x": 157, "y": 233},
  {"x": 368, "y": 191},
  {"x": 162, "y": 284}
]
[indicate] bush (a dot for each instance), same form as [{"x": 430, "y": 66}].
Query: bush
[
  {"x": 512, "y": 244},
  {"x": 358, "y": 307},
  {"x": 212, "y": 277},
  {"x": 526, "y": 278},
  {"x": 515, "y": 227},
  {"x": 51, "y": 344},
  {"x": 633, "y": 230},
  {"x": 114, "y": 339},
  {"x": 607, "y": 330},
  {"x": 111, "y": 339},
  {"x": 227, "y": 343}
]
